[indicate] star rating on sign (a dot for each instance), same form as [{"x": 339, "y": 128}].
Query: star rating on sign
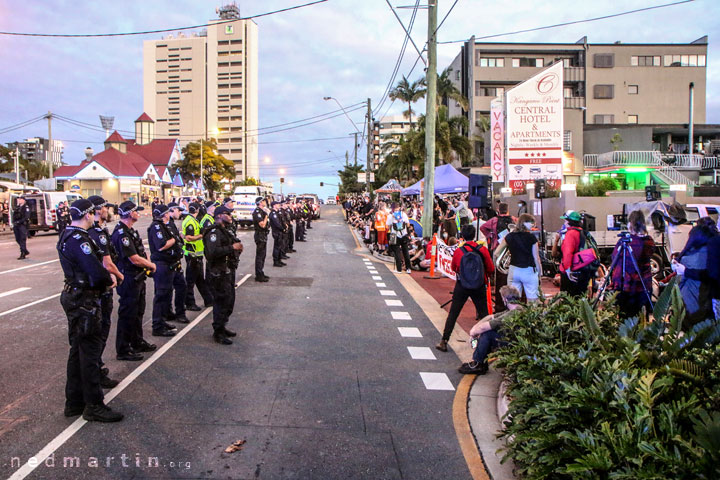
[{"x": 538, "y": 154}]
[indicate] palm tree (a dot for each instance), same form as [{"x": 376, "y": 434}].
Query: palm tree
[
  {"x": 408, "y": 93},
  {"x": 400, "y": 156},
  {"x": 448, "y": 137},
  {"x": 446, "y": 90}
]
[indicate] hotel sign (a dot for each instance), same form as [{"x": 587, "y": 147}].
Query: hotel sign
[{"x": 534, "y": 112}]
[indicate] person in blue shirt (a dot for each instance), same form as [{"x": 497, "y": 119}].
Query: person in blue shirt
[{"x": 166, "y": 258}]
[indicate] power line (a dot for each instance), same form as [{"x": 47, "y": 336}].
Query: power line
[
  {"x": 20, "y": 125},
  {"x": 164, "y": 30},
  {"x": 604, "y": 17}
]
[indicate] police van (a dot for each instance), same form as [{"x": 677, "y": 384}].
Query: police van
[
  {"x": 43, "y": 209},
  {"x": 244, "y": 198}
]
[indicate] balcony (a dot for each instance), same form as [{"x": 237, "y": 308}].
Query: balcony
[
  {"x": 574, "y": 74},
  {"x": 574, "y": 102}
]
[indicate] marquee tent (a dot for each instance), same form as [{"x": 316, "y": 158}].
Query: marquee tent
[
  {"x": 447, "y": 180},
  {"x": 391, "y": 186}
]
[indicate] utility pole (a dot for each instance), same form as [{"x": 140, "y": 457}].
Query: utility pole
[
  {"x": 347, "y": 158},
  {"x": 691, "y": 134},
  {"x": 430, "y": 118},
  {"x": 355, "y": 148},
  {"x": 17, "y": 163},
  {"x": 369, "y": 147},
  {"x": 49, "y": 150}
]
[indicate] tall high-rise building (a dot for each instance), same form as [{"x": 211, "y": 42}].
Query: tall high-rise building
[{"x": 205, "y": 85}]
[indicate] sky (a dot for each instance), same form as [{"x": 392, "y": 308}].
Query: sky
[{"x": 346, "y": 49}]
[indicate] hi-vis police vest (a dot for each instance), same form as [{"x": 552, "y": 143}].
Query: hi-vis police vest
[{"x": 194, "y": 248}]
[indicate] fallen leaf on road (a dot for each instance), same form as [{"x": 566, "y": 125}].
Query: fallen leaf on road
[{"x": 235, "y": 446}]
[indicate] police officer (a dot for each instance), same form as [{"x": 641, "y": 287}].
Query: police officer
[
  {"x": 85, "y": 279},
  {"x": 277, "y": 226},
  {"x": 178, "y": 282},
  {"x": 262, "y": 227},
  {"x": 100, "y": 235},
  {"x": 193, "y": 249},
  {"x": 207, "y": 219},
  {"x": 21, "y": 222},
  {"x": 166, "y": 258},
  {"x": 309, "y": 214},
  {"x": 63, "y": 216},
  {"x": 134, "y": 265},
  {"x": 299, "y": 223},
  {"x": 285, "y": 245},
  {"x": 222, "y": 250}
]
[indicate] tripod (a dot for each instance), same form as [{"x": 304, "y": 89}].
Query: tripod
[{"x": 623, "y": 252}]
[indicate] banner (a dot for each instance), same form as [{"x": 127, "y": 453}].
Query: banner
[
  {"x": 444, "y": 258},
  {"x": 534, "y": 113},
  {"x": 497, "y": 140}
]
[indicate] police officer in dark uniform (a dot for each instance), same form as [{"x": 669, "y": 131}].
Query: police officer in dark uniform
[
  {"x": 277, "y": 226},
  {"x": 290, "y": 218},
  {"x": 166, "y": 258},
  {"x": 63, "y": 216},
  {"x": 222, "y": 250},
  {"x": 21, "y": 222},
  {"x": 134, "y": 265},
  {"x": 310, "y": 214},
  {"x": 285, "y": 245},
  {"x": 178, "y": 282},
  {"x": 299, "y": 223},
  {"x": 100, "y": 235},
  {"x": 85, "y": 279},
  {"x": 261, "y": 222}
]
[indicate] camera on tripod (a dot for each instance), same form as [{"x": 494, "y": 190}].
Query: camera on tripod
[{"x": 625, "y": 236}]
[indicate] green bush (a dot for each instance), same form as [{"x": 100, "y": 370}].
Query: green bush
[
  {"x": 592, "y": 397},
  {"x": 598, "y": 188}
]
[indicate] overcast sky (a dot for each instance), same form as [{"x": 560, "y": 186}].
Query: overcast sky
[{"x": 341, "y": 48}]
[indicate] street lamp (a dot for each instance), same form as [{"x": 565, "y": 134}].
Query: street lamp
[{"x": 344, "y": 111}]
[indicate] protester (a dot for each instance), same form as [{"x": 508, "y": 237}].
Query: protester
[
  {"x": 573, "y": 283},
  {"x": 494, "y": 230},
  {"x": 525, "y": 266},
  {"x": 469, "y": 283},
  {"x": 488, "y": 333},
  {"x": 397, "y": 224},
  {"x": 708, "y": 274},
  {"x": 695, "y": 293}
]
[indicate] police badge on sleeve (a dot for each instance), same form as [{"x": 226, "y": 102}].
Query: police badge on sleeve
[
  {"x": 159, "y": 235},
  {"x": 213, "y": 237},
  {"x": 126, "y": 241},
  {"x": 85, "y": 247}
]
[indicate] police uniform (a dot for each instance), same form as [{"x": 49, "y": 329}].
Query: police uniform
[
  {"x": 290, "y": 218},
  {"x": 299, "y": 223},
  {"x": 261, "y": 237},
  {"x": 178, "y": 280},
  {"x": 101, "y": 237},
  {"x": 63, "y": 219},
  {"x": 129, "y": 340},
  {"x": 166, "y": 261},
  {"x": 276, "y": 224},
  {"x": 194, "y": 254},
  {"x": 85, "y": 280},
  {"x": 222, "y": 261},
  {"x": 21, "y": 222}
]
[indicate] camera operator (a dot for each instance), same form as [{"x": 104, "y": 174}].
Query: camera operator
[{"x": 632, "y": 286}]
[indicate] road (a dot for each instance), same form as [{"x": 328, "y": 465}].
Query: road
[{"x": 332, "y": 375}]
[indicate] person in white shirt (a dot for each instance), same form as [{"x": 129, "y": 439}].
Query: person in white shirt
[{"x": 397, "y": 223}]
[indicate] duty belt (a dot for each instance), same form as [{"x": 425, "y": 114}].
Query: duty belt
[{"x": 194, "y": 254}]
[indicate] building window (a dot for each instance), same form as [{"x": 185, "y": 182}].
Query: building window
[
  {"x": 568, "y": 92},
  {"x": 457, "y": 75},
  {"x": 484, "y": 91},
  {"x": 527, "y": 62},
  {"x": 603, "y": 119},
  {"x": 228, "y": 29},
  {"x": 604, "y": 60},
  {"x": 603, "y": 91},
  {"x": 567, "y": 141},
  {"x": 645, "y": 61},
  {"x": 491, "y": 62},
  {"x": 632, "y": 119},
  {"x": 633, "y": 89},
  {"x": 684, "y": 60}
]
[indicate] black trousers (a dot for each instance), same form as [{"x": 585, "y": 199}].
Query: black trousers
[
  {"x": 194, "y": 276},
  {"x": 299, "y": 230},
  {"x": 223, "y": 284},
  {"x": 576, "y": 289},
  {"x": 283, "y": 243},
  {"x": 21, "y": 234},
  {"x": 460, "y": 296},
  {"x": 106, "y": 308},
  {"x": 630, "y": 303},
  {"x": 162, "y": 300},
  {"x": 290, "y": 238},
  {"x": 180, "y": 290},
  {"x": 82, "y": 308},
  {"x": 500, "y": 281},
  {"x": 277, "y": 250},
  {"x": 260, "y": 253},
  {"x": 130, "y": 313},
  {"x": 401, "y": 248}
]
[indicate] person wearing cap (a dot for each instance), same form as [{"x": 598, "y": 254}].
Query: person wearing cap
[
  {"x": 62, "y": 214},
  {"x": 193, "y": 249},
  {"x": 208, "y": 219},
  {"x": 134, "y": 265},
  {"x": 20, "y": 223},
  {"x": 178, "y": 281},
  {"x": 289, "y": 235},
  {"x": 222, "y": 250},
  {"x": 300, "y": 222},
  {"x": 262, "y": 228},
  {"x": 277, "y": 226},
  {"x": 100, "y": 235},
  {"x": 574, "y": 284},
  {"x": 165, "y": 257},
  {"x": 85, "y": 280}
]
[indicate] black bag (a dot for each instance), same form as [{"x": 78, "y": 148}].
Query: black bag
[
  {"x": 392, "y": 238},
  {"x": 503, "y": 222},
  {"x": 472, "y": 269}
]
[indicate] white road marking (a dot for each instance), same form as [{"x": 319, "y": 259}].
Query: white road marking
[
  {"x": 410, "y": 332},
  {"x": 400, "y": 316},
  {"x": 377, "y": 277},
  {"x": 373, "y": 272},
  {"x": 22, "y": 289},
  {"x": 378, "y": 284},
  {"x": 421, "y": 353},
  {"x": 40, "y": 457},
  {"x": 370, "y": 267},
  {"x": 29, "y": 266},
  {"x": 436, "y": 381},
  {"x": 387, "y": 293},
  {"x": 393, "y": 303},
  {"x": 7, "y": 312}
]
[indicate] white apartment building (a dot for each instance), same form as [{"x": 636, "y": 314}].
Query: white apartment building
[
  {"x": 206, "y": 85},
  {"x": 390, "y": 129}
]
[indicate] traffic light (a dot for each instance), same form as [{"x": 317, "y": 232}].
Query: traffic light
[
  {"x": 322, "y": 184},
  {"x": 282, "y": 179}
]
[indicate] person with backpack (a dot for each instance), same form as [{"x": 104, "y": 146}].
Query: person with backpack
[
  {"x": 574, "y": 283},
  {"x": 472, "y": 265},
  {"x": 397, "y": 227},
  {"x": 494, "y": 230},
  {"x": 525, "y": 265}
]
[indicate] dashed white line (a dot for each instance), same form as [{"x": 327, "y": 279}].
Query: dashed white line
[
  {"x": 393, "y": 303},
  {"x": 421, "y": 353},
  {"x": 373, "y": 272},
  {"x": 7, "y": 312},
  {"x": 436, "y": 381},
  {"x": 400, "y": 316},
  {"x": 29, "y": 266},
  {"x": 410, "y": 332},
  {"x": 22, "y": 289},
  {"x": 380, "y": 285},
  {"x": 377, "y": 277},
  {"x": 388, "y": 293}
]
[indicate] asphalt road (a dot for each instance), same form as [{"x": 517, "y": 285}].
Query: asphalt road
[{"x": 323, "y": 381}]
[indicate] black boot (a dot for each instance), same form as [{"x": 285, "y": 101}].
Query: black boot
[
  {"x": 101, "y": 413},
  {"x": 220, "y": 337}
]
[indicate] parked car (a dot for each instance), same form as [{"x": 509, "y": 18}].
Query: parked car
[{"x": 330, "y": 201}]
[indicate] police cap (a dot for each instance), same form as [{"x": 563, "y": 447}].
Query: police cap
[
  {"x": 194, "y": 207},
  {"x": 258, "y": 200},
  {"x": 126, "y": 207},
  {"x": 227, "y": 200},
  {"x": 209, "y": 204},
  {"x": 222, "y": 209},
  {"x": 80, "y": 208},
  {"x": 160, "y": 210}
]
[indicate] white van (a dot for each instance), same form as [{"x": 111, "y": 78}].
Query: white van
[
  {"x": 244, "y": 198},
  {"x": 43, "y": 208}
]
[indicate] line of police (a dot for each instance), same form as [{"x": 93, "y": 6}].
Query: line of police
[{"x": 95, "y": 261}]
